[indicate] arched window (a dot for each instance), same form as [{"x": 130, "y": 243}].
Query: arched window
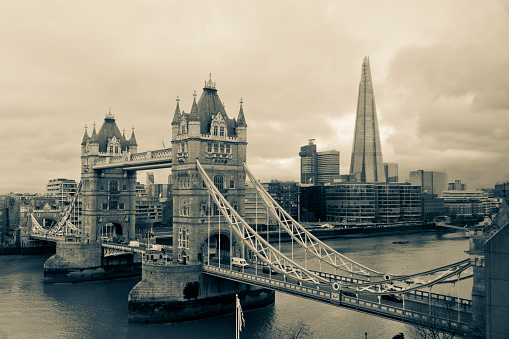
[
  {"x": 215, "y": 130},
  {"x": 116, "y": 149},
  {"x": 218, "y": 181},
  {"x": 111, "y": 149}
]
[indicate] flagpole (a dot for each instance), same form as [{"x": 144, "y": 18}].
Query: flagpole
[{"x": 237, "y": 334}]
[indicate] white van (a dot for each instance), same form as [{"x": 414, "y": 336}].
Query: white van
[{"x": 239, "y": 262}]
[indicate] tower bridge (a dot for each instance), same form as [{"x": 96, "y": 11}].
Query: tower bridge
[{"x": 209, "y": 172}]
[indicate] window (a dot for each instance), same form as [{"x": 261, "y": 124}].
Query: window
[
  {"x": 124, "y": 187},
  {"x": 121, "y": 206},
  {"x": 116, "y": 149},
  {"x": 105, "y": 206},
  {"x": 215, "y": 130},
  {"x": 232, "y": 183},
  {"x": 218, "y": 182},
  {"x": 113, "y": 186},
  {"x": 111, "y": 149},
  {"x": 113, "y": 204},
  {"x": 209, "y": 147},
  {"x": 216, "y": 148},
  {"x": 228, "y": 149},
  {"x": 221, "y": 132}
]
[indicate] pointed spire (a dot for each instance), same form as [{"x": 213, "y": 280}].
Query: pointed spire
[
  {"x": 132, "y": 141},
  {"x": 193, "y": 116},
  {"x": 85, "y": 137},
  {"x": 123, "y": 133},
  {"x": 241, "y": 120},
  {"x": 176, "y": 115},
  {"x": 93, "y": 138}
]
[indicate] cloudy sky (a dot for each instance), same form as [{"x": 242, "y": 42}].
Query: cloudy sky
[{"x": 440, "y": 73}]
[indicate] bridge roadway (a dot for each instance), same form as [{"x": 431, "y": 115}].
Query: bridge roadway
[{"x": 414, "y": 309}]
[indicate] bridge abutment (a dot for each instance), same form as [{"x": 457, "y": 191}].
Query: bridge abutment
[
  {"x": 75, "y": 261},
  {"x": 175, "y": 293}
]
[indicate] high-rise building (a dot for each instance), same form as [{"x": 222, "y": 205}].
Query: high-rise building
[
  {"x": 432, "y": 182},
  {"x": 457, "y": 186},
  {"x": 327, "y": 166},
  {"x": 391, "y": 172},
  {"x": 318, "y": 167},
  {"x": 61, "y": 189},
  {"x": 367, "y": 150},
  {"x": 308, "y": 163}
]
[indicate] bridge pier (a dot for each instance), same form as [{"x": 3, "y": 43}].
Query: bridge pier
[
  {"x": 175, "y": 293},
  {"x": 74, "y": 262}
]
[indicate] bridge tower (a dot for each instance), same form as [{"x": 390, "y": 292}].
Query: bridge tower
[
  {"x": 108, "y": 210},
  {"x": 181, "y": 291},
  {"x": 108, "y": 195},
  {"x": 219, "y": 143}
]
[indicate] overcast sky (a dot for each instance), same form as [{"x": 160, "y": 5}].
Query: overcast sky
[{"x": 440, "y": 75}]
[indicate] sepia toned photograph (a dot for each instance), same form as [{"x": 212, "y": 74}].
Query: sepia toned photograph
[{"x": 254, "y": 169}]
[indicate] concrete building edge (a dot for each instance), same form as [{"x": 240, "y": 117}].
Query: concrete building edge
[{"x": 180, "y": 311}]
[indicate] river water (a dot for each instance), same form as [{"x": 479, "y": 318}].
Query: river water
[{"x": 31, "y": 309}]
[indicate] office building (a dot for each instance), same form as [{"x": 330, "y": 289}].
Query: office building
[
  {"x": 318, "y": 167},
  {"x": 432, "y": 182},
  {"x": 61, "y": 189},
  {"x": 373, "y": 202},
  {"x": 327, "y": 166},
  {"x": 367, "y": 159},
  {"x": 456, "y": 186},
  {"x": 391, "y": 172},
  {"x": 308, "y": 163}
]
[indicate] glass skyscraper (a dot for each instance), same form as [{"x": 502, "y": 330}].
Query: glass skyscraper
[{"x": 367, "y": 162}]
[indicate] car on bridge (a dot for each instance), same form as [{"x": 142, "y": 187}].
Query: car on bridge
[
  {"x": 239, "y": 262},
  {"x": 268, "y": 270},
  {"x": 395, "y": 298}
]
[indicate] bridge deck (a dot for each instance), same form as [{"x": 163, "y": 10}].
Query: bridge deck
[{"x": 411, "y": 312}]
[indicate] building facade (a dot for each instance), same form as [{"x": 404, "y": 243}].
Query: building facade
[
  {"x": 62, "y": 189},
  {"x": 373, "y": 202},
  {"x": 391, "y": 172},
  {"x": 309, "y": 164},
  {"x": 327, "y": 166},
  {"x": 432, "y": 182},
  {"x": 367, "y": 159}
]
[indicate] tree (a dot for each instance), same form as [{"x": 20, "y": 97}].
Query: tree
[{"x": 295, "y": 330}]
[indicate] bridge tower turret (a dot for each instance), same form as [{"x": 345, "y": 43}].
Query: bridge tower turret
[
  {"x": 108, "y": 195},
  {"x": 219, "y": 143}
]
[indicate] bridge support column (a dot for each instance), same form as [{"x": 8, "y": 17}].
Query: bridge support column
[
  {"x": 176, "y": 293},
  {"x": 75, "y": 262}
]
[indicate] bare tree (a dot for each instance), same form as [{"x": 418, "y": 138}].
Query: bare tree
[{"x": 295, "y": 330}]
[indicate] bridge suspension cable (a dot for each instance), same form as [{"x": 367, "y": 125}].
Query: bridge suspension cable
[
  {"x": 307, "y": 240},
  {"x": 440, "y": 275},
  {"x": 256, "y": 243},
  {"x": 64, "y": 225}
]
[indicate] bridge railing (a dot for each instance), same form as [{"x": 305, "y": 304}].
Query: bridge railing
[
  {"x": 339, "y": 299},
  {"x": 415, "y": 293}
]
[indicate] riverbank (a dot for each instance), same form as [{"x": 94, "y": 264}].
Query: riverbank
[{"x": 42, "y": 248}]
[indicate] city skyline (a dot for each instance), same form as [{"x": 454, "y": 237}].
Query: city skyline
[{"x": 438, "y": 70}]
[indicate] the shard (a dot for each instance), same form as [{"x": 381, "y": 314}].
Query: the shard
[{"x": 367, "y": 164}]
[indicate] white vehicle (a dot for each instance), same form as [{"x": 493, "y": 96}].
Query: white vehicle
[
  {"x": 239, "y": 262},
  {"x": 133, "y": 243}
]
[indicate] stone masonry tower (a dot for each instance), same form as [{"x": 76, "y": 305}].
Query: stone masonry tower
[
  {"x": 108, "y": 196},
  {"x": 367, "y": 162},
  {"x": 219, "y": 143}
]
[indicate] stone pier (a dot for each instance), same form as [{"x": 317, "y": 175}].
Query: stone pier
[
  {"x": 174, "y": 293},
  {"x": 74, "y": 262}
]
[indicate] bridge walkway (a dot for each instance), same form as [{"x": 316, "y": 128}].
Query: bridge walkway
[{"x": 409, "y": 311}]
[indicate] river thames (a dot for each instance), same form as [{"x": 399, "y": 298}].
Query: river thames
[{"x": 31, "y": 309}]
